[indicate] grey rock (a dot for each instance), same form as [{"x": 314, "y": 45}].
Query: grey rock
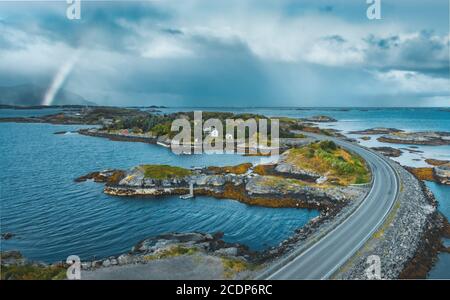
[
  {"x": 106, "y": 263},
  {"x": 86, "y": 265},
  {"x": 123, "y": 259},
  {"x": 231, "y": 251}
]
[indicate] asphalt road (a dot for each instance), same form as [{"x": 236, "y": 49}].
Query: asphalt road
[{"x": 324, "y": 257}]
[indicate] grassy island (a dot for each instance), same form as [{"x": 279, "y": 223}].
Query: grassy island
[
  {"x": 162, "y": 172},
  {"x": 328, "y": 159}
]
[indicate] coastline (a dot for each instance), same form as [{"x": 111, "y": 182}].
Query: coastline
[{"x": 419, "y": 256}]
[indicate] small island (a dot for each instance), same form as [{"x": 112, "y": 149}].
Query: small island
[
  {"x": 431, "y": 138},
  {"x": 319, "y": 175}
]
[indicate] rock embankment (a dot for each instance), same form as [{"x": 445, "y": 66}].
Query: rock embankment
[{"x": 410, "y": 229}]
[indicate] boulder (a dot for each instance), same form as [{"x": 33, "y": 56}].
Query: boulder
[
  {"x": 231, "y": 251},
  {"x": 124, "y": 259},
  {"x": 86, "y": 265},
  {"x": 106, "y": 263}
]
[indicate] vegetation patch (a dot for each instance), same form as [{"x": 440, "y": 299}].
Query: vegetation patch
[
  {"x": 174, "y": 251},
  {"x": 264, "y": 170},
  {"x": 436, "y": 162},
  {"x": 239, "y": 169},
  {"x": 422, "y": 173},
  {"x": 162, "y": 172},
  {"x": 233, "y": 266},
  {"x": 285, "y": 184},
  {"x": 328, "y": 159},
  {"x": 33, "y": 272}
]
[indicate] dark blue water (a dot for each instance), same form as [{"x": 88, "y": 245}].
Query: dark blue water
[
  {"x": 9, "y": 113},
  {"x": 53, "y": 217}
]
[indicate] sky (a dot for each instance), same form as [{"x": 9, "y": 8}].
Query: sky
[{"x": 231, "y": 52}]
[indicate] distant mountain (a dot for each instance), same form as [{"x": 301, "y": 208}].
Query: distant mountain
[{"x": 29, "y": 94}]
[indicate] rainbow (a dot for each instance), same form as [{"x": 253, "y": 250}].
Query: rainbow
[{"x": 60, "y": 77}]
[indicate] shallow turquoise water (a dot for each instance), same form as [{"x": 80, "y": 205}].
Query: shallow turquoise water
[
  {"x": 442, "y": 194},
  {"x": 53, "y": 217}
]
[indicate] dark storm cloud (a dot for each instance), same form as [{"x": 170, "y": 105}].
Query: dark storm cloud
[
  {"x": 230, "y": 52},
  {"x": 425, "y": 53}
]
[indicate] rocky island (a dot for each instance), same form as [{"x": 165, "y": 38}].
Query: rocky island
[
  {"x": 432, "y": 138},
  {"x": 320, "y": 119},
  {"x": 319, "y": 175},
  {"x": 388, "y": 151}
]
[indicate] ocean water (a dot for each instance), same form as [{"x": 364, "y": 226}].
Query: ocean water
[
  {"x": 408, "y": 119},
  {"x": 10, "y": 113},
  {"x": 53, "y": 217}
]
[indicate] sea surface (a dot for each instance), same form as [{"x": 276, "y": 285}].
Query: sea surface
[
  {"x": 54, "y": 217},
  {"x": 360, "y": 118}
]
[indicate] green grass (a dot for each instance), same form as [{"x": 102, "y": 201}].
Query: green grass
[
  {"x": 326, "y": 158},
  {"x": 173, "y": 252},
  {"x": 233, "y": 266},
  {"x": 33, "y": 272},
  {"x": 162, "y": 172},
  {"x": 238, "y": 169},
  {"x": 282, "y": 183}
]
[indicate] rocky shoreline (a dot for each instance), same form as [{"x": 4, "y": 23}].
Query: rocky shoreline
[
  {"x": 436, "y": 228},
  {"x": 232, "y": 260},
  {"x": 410, "y": 238},
  {"x": 285, "y": 185},
  {"x": 174, "y": 245},
  {"x": 119, "y": 137}
]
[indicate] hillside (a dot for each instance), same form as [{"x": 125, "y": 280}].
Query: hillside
[{"x": 29, "y": 94}]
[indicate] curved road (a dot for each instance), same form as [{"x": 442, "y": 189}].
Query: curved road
[{"x": 325, "y": 257}]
